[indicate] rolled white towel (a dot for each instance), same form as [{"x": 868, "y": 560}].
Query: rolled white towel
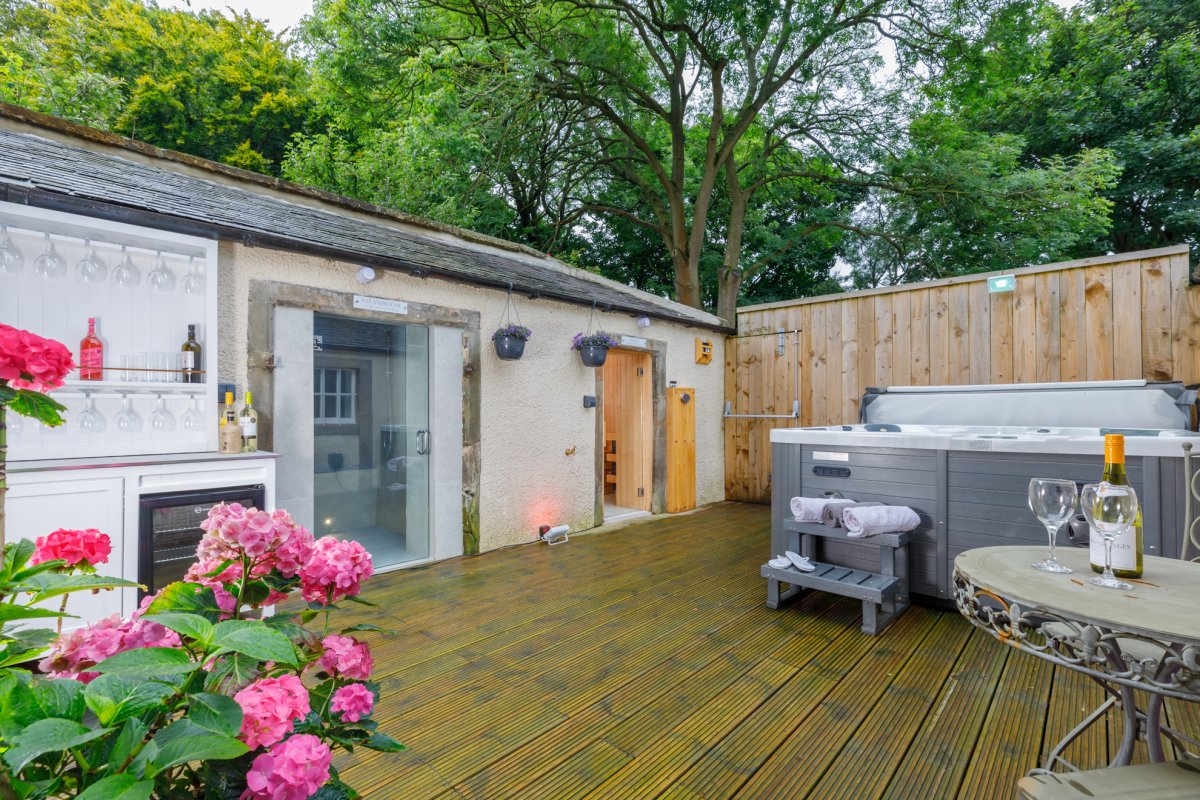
[
  {"x": 832, "y": 516},
  {"x": 869, "y": 521},
  {"x": 808, "y": 509}
]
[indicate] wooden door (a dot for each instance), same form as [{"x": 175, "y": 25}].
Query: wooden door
[
  {"x": 628, "y": 429},
  {"x": 681, "y": 449}
]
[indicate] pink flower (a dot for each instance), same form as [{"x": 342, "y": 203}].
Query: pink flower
[
  {"x": 353, "y": 702},
  {"x": 86, "y": 548},
  {"x": 78, "y": 649},
  {"x": 271, "y": 541},
  {"x": 294, "y": 769},
  {"x": 29, "y": 361},
  {"x": 335, "y": 570},
  {"x": 269, "y": 707},
  {"x": 346, "y": 657}
]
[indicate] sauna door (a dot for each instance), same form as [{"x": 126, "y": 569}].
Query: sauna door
[{"x": 628, "y": 430}]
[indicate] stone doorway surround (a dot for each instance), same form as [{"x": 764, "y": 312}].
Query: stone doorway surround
[{"x": 265, "y": 296}]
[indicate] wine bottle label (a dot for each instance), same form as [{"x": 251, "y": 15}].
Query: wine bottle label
[
  {"x": 187, "y": 360},
  {"x": 249, "y": 428},
  {"x": 1124, "y": 549}
]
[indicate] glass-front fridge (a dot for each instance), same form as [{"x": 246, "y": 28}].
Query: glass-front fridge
[{"x": 169, "y": 530}]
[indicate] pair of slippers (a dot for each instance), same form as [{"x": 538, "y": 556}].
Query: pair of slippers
[{"x": 790, "y": 559}]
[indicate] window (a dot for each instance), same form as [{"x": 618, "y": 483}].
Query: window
[{"x": 334, "y": 395}]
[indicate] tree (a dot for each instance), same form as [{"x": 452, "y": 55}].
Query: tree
[{"x": 216, "y": 86}]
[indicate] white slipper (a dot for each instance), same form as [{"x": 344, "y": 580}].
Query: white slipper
[
  {"x": 799, "y": 562},
  {"x": 779, "y": 562}
]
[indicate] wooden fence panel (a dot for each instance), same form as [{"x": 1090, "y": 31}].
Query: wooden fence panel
[{"x": 1127, "y": 316}]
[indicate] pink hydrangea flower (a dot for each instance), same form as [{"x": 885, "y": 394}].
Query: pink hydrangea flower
[
  {"x": 78, "y": 649},
  {"x": 336, "y": 569},
  {"x": 29, "y": 361},
  {"x": 272, "y": 541},
  {"x": 294, "y": 769},
  {"x": 87, "y": 547},
  {"x": 353, "y": 702},
  {"x": 346, "y": 657},
  {"x": 269, "y": 707}
]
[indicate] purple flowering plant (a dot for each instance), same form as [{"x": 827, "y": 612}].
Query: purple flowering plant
[
  {"x": 513, "y": 330},
  {"x": 597, "y": 339}
]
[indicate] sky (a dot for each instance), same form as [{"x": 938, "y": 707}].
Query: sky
[{"x": 279, "y": 14}]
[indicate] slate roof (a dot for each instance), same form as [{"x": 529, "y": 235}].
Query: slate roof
[{"x": 46, "y": 171}]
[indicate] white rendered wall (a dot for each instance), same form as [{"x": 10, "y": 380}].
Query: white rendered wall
[{"x": 531, "y": 411}]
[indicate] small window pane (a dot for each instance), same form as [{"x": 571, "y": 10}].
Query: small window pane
[
  {"x": 316, "y": 406},
  {"x": 346, "y": 408},
  {"x": 330, "y": 407}
]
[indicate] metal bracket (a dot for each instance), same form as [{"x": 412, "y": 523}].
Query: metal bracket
[{"x": 730, "y": 415}]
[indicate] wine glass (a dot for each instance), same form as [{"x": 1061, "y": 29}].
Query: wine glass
[
  {"x": 49, "y": 264},
  {"x": 193, "y": 420},
  {"x": 161, "y": 420},
  {"x": 90, "y": 269},
  {"x": 161, "y": 277},
  {"x": 127, "y": 420},
  {"x": 11, "y": 259},
  {"x": 1110, "y": 509},
  {"x": 193, "y": 284},
  {"x": 1053, "y": 502},
  {"x": 90, "y": 421},
  {"x": 126, "y": 272}
]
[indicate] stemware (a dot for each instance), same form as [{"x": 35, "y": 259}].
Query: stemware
[
  {"x": 90, "y": 421},
  {"x": 126, "y": 273},
  {"x": 1053, "y": 502},
  {"x": 1110, "y": 509},
  {"x": 161, "y": 419},
  {"x": 161, "y": 277},
  {"x": 11, "y": 258},
  {"x": 90, "y": 269},
  {"x": 193, "y": 420},
  {"x": 127, "y": 420},
  {"x": 193, "y": 283},
  {"x": 49, "y": 264}
]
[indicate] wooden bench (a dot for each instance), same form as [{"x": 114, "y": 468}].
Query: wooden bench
[
  {"x": 884, "y": 594},
  {"x": 1170, "y": 780}
]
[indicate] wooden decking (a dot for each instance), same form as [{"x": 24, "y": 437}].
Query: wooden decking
[{"x": 642, "y": 663}]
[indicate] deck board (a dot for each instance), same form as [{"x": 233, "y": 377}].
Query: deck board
[{"x": 642, "y": 663}]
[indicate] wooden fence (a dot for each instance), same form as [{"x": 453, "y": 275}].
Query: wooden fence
[{"x": 1133, "y": 315}]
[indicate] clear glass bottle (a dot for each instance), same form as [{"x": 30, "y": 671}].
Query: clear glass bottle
[
  {"x": 91, "y": 354},
  {"x": 189, "y": 358},
  {"x": 1127, "y": 548},
  {"x": 230, "y": 438},
  {"x": 248, "y": 420}
]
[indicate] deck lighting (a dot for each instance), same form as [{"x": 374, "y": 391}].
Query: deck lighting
[{"x": 555, "y": 535}]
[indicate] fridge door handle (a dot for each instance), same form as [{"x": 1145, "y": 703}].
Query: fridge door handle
[{"x": 422, "y": 442}]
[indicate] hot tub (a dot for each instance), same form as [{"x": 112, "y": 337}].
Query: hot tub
[{"x": 969, "y": 482}]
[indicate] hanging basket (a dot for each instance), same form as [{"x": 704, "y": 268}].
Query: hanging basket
[
  {"x": 593, "y": 355},
  {"x": 509, "y": 348}
]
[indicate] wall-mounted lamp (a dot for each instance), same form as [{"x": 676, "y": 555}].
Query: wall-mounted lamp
[
  {"x": 1002, "y": 283},
  {"x": 365, "y": 275},
  {"x": 643, "y": 322},
  {"x": 555, "y": 535}
]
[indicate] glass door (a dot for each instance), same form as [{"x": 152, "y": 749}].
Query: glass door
[{"x": 371, "y": 436}]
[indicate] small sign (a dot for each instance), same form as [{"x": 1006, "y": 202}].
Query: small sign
[
  {"x": 380, "y": 304},
  {"x": 633, "y": 341},
  {"x": 1002, "y": 283},
  {"x": 824, "y": 455}
]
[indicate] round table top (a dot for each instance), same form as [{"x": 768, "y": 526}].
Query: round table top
[{"x": 1164, "y": 603}]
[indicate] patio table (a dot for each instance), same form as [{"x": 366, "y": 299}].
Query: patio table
[{"x": 1146, "y": 638}]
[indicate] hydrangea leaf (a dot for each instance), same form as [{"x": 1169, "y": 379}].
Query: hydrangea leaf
[
  {"x": 253, "y": 638},
  {"x": 118, "y": 787}
]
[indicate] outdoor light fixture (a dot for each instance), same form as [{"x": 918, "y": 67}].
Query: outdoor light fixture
[
  {"x": 555, "y": 535},
  {"x": 643, "y": 322},
  {"x": 1002, "y": 283},
  {"x": 365, "y": 275}
]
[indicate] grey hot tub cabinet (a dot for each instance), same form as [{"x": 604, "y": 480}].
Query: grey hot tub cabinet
[{"x": 965, "y": 498}]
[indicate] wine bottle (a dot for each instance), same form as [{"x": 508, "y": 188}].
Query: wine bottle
[
  {"x": 1126, "y": 548},
  {"x": 189, "y": 358},
  {"x": 91, "y": 354},
  {"x": 248, "y": 421},
  {"x": 230, "y": 440}
]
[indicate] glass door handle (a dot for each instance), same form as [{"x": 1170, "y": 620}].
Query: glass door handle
[{"x": 422, "y": 442}]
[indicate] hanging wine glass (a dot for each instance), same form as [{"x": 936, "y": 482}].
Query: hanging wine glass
[
  {"x": 193, "y": 420},
  {"x": 161, "y": 277},
  {"x": 127, "y": 420},
  {"x": 126, "y": 272},
  {"x": 90, "y": 421},
  {"x": 193, "y": 284},
  {"x": 11, "y": 259},
  {"x": 49, "y": 264},
  {"x": 90, "y": 269},
  {"x": 161, "y": 419}
]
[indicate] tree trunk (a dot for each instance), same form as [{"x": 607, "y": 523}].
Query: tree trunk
[{"x": 729, "y": 276}]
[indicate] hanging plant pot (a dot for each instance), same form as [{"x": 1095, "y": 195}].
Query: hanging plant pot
[
  {"x": 509, "y": 348},
  {"x": 593, "y": 355}
]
